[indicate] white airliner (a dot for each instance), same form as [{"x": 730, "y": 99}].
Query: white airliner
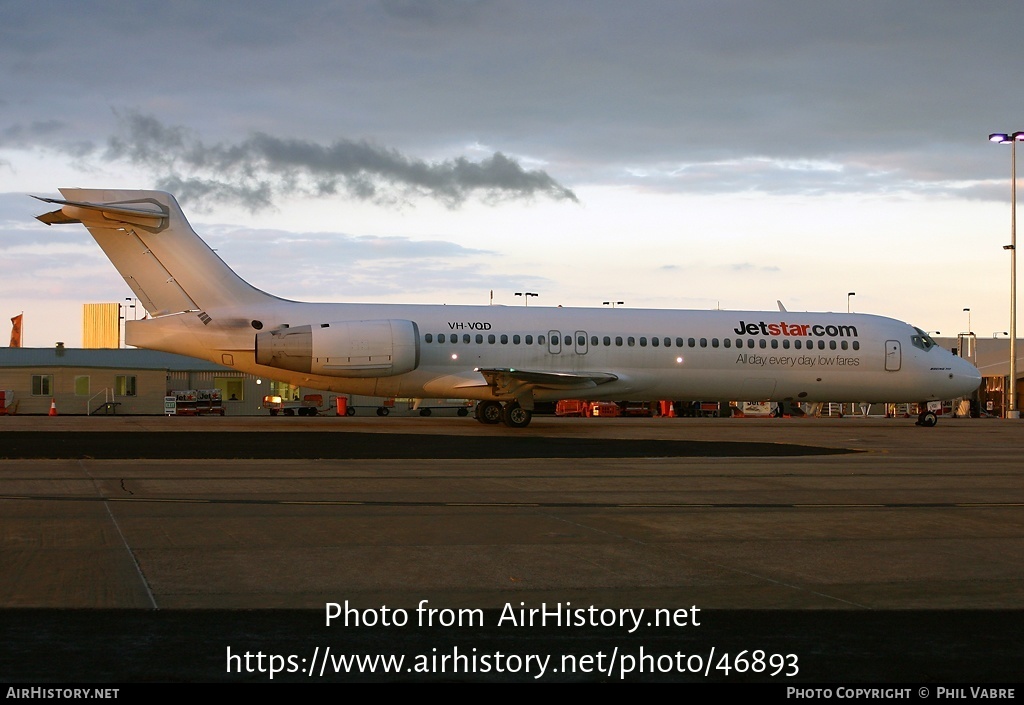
[{"x": 508, "y": 358}]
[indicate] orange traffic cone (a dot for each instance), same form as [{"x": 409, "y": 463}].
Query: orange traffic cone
[{"x": 53, "y": 406}]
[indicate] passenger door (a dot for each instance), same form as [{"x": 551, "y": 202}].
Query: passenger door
[{"x": 893, "y": 355}]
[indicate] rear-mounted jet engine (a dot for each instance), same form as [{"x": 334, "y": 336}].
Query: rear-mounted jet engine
[{"x": 343, "y": 349}]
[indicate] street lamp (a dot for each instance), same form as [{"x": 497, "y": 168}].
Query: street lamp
[
  {"x": 526, "y": 295},
  {"x": 852, "y": 293},
  {"x": 613, "y": 304},
  {"x": 1012, "y": 139},
  {"x": 968, "y": 312}
]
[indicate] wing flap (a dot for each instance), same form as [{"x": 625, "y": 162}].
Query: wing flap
[{"x": 502, "y": 376}]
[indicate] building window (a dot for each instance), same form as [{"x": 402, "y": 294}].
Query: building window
[
  {"x": 233, "y": 388},
  {"x": 279, "y": 389},
  {"x": 42, "y": 385},
  {"x": 82, "y": 386},
  {"x": 124, "y": 386}
]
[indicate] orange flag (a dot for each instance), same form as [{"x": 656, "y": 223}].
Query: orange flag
[{"x": 16, "y": 330}]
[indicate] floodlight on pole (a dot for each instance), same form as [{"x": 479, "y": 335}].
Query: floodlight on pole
[{"x": 1012, "y": 138}]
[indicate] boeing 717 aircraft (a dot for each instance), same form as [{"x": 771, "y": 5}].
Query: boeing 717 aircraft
[{"x": 508, "y": 358}]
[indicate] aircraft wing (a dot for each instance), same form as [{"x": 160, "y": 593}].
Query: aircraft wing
[{"x": 509, "y": 377}]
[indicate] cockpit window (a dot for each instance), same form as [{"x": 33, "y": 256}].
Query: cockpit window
[{"x": 922, "y": 340}]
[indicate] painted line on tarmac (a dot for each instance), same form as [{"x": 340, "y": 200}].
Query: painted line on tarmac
[{"x": 563, "y": 505}]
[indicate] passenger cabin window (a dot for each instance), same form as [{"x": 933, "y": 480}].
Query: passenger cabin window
[
  {"x": 465, "y": 338},
  {"x": 429, "y": 337},
  {"x": 529, "y": 340}
]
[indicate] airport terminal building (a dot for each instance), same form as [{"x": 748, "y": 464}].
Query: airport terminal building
[{"x": 126, "y": 381}]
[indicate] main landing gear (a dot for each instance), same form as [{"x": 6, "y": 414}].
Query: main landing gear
[{"x": 511, "y": 413}]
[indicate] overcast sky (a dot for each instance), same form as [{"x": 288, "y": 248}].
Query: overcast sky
[{"x": 665, "y": 154}]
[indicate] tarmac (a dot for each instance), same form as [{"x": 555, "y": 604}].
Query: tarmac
[{"x": 141, "y": 549}]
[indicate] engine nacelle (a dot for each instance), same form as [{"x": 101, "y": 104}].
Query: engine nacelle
[{"x": 343, "y": 349}]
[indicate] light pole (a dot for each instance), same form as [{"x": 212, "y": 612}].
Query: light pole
[
  {"x": 526, "y": 295},
  {"x": 852, "y": 293},
  {"x": 968, "y": 312},
  {"x": 1012, "y": 139}
]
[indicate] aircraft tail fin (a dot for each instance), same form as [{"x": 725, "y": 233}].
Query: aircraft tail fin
[{"x": 147, "y": 238}]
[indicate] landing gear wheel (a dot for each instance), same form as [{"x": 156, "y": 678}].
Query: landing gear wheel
[
  {"x": 516, "y": 416},
  {"x": 488, "y": 412},
  {"x": 927, "y": 419},
  {"x": 424, "y": 412},
  {"x": 383, "y": 411}
]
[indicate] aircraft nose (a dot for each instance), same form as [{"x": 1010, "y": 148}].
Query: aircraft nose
[{"x": 966, "y": 377}]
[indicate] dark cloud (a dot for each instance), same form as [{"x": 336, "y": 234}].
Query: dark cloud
[
  {"x": 901, "y": 95},
  {"x": 29, "y": 134},
  {"x": 262, "y": 167}
]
